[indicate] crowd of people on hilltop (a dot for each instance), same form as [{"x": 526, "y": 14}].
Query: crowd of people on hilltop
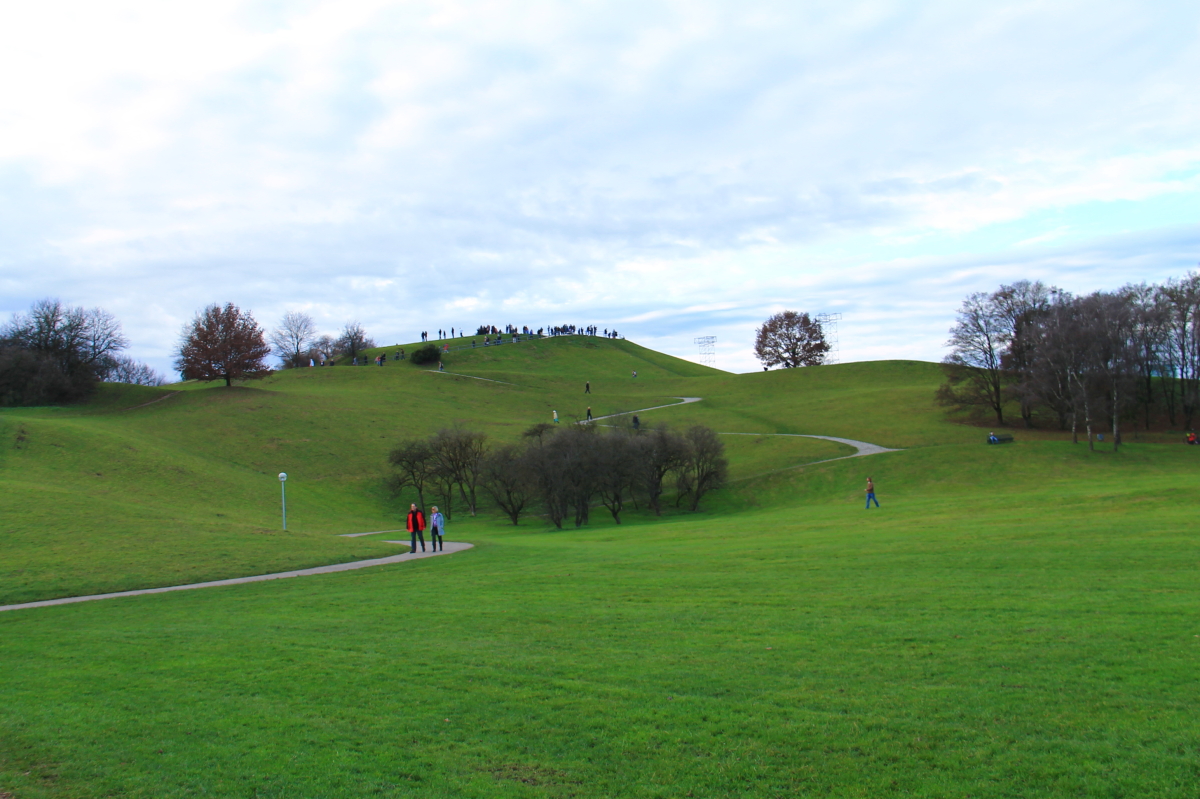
[{"x": 548, "y": 330}]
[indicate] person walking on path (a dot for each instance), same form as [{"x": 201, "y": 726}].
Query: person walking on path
[
  {"x": 871, "y": 493},
  {"x": 589, "y": 413},
  {"x": 587, "y": 387},
  {"x": 437, "y": 529},
  {"x": 416, "y": 527}
]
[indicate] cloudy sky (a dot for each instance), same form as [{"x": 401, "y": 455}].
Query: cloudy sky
[{"x": 670, "y": 169}]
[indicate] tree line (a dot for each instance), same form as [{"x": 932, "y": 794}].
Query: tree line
[
  {"x": 561, "y": 472},
  {"x": 1089, "y": 361}
]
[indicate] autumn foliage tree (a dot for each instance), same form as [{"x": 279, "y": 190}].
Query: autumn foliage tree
[
  {"x": 791, "y": 339},
  {"x": 223, "y": 343}
]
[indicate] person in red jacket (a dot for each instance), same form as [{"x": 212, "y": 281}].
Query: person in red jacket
[{"x": 416, "y": 526}]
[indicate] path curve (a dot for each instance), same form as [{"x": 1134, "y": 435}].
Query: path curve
[
  {"x": 861, "y": 449},
  {"x": 451, "y": 548},
  {"x": 686, "y": 400}
]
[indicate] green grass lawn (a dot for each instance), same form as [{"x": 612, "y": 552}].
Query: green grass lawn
[{"x": 1014, "y": 621}]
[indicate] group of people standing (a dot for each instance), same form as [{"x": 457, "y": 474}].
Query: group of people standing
[{"x": 416, "y": 528}]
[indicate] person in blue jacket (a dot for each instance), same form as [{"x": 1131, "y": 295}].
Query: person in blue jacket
[{"x": 437, "y": 529}]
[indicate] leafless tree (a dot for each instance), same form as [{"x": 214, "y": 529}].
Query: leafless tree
[
  {"x": 617, "y": 467},
  {"x": 974, "y": 371},
  {"x": 293, "y": 338},
  {"x": 223, "y": 343},
  {"x": 790, "y": 339},
  {"x": 413, "y": 467},
  {"x": 1181, "y": 299},
  {"x": 129, "y": 370},
  {"x": 507, "y": 477},
  {"x": 1018, "y": 308},
  {"x": 458, "y": 455},
  {"x": 704, "y": 467},
  {"x": 662, "y": 452},
  {"x": 354, "y": 340}
]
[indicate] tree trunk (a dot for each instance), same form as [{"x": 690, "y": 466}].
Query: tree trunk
[{"x": 1116, "y": 431}]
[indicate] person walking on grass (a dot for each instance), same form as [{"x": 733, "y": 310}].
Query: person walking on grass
[
  {"x": 416, "y": 527},
  {"x": 587, "y": 387},
  {"x": 437, "y": 529},
  {"x": 555, "y": 415},
  {"x": 871, "y": 493}
]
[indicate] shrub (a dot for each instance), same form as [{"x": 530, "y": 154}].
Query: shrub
[{"x": 427, "y": 354}]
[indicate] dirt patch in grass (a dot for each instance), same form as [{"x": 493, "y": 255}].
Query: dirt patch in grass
[{"x": 531, "y": 774}]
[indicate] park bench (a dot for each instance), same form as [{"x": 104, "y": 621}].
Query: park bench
[{"x": 1001, "y": 439}]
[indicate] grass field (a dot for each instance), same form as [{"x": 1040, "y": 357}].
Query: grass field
[{"x": 1014, "y": 621}]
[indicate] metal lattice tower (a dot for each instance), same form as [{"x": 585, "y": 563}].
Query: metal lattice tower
[
  {"x": 829, "y": 326},
  {"x": 708, "y": 349}
]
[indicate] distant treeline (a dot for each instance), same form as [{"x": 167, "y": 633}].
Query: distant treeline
[
  {"x": 1090, "y": 361},
  {"x": 562, "y": 471}
]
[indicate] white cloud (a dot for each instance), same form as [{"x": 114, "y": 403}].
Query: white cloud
[{"x": 672, "y": 165}]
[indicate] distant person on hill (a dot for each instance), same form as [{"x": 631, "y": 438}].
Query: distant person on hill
[
  {"x": 1192, "y": 437},
  {"x": 589, "y": 413},
  {"x": 416, "y": 526},
  {"x": 437, "y": 529},
  {"x": 635, "y": 372},
  {"x": 871, "y": 493},
  {"x": 555, "y": 415},
  {"x": 992, "y": 439},
  {"x": 587, "y": 387},
  {"x": 441, "y": 367},
  {"x": 637, "y": 424}
]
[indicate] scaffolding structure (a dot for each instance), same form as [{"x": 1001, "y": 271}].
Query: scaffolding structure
[
  {"x": 708, "y": 349},
  {"x": 829, "y": 327}
]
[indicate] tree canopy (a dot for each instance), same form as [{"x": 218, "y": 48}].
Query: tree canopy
[
  {"x": 223, "y": 343},
  {"x": 790, "y": 339}
]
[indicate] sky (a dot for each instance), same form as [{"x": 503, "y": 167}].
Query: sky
[{"x": 666, "y": 169}]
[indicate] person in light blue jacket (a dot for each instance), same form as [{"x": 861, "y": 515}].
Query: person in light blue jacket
[{"x": 437, "y": 528}]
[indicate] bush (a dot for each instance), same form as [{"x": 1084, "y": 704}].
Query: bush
[{"x": 430, "y": 353}]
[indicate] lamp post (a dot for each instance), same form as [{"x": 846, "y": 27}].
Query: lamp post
[{"x": 283, "y": 495}]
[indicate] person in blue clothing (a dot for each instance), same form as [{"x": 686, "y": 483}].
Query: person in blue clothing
[
  {"x": 437, "y": 529},
  {"x": 871, "y": 493}
]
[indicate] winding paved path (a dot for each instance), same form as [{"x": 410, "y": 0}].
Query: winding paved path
[{"x": 451, "y": 548}]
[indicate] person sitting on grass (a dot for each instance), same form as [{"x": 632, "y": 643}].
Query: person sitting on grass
[{"x": 1191, "y": 439}]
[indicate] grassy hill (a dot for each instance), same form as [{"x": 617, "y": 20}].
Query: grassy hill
[{"x": 1014, "y": 621}]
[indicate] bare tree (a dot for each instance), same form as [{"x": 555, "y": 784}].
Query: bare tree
[
  {"x": 128, "y": 370},
  {"x": 459, "y": 456},
  {"x": 412, "y": 462},
  {"x": 223, "y": 343},
  {"x": 704, "y": 467},
  {"x": 974, "y": 373},
  {"x": 1182, "y": 307},
  {"x": 790, "y": 339},
  {"x": 293, "y": 338},
  {"x": 662, "y": 452},
  {"x": 354, "y": 340},
  {"x": 1018, "y": 308},
  {"x": 506, "y": 476},
  {"x": 617, "y": 469}
]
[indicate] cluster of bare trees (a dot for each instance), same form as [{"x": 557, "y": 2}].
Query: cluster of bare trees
[
  {"x": 1088, "y": 361},
  {"x": 562, "y": 472},
  {"x": 57, "y": 353},
  {"x": 297, "y": 343}
]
